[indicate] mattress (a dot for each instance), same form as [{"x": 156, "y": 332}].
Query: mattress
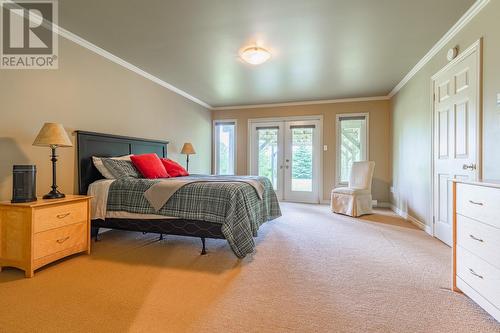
[{"x": 99, "y": 190}]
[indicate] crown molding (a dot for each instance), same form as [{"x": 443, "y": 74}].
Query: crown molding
[
  {"x": 119, "y": 61},
  {"x": 457, "y": 27},
  {"x": 327, "y": 101}
]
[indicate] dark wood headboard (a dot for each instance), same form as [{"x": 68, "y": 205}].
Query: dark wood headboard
[{"x": 106, "y": 145}]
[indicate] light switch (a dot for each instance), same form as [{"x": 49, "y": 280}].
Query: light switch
[
  {"x": 498, "y": 99},
  {"x": 325, "y": 148}
]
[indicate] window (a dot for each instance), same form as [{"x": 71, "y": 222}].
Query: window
[
  {"x": 352, "y": 143},
  {"x": 225, "y": 147}
]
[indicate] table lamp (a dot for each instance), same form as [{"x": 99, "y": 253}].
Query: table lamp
[
  {"x": 53, "y": 135},
  {"x": 188, "y": 149}
]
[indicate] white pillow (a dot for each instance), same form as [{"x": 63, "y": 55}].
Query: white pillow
[{"x": 102, "y": 169}]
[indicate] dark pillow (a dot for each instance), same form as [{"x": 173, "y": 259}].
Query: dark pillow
[{"x": 121, "y": 168}]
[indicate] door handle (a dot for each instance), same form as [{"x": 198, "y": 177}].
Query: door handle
[
  {"x": 476, "y": 203},
  {"x": 471, "y": 166}
]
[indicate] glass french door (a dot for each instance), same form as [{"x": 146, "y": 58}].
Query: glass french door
[{"x": 287, "y": 152}]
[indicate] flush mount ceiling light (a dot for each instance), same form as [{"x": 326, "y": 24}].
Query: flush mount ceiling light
[{"x": 255, "y": 55}]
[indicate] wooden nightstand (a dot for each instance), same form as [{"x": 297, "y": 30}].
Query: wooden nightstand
[{"x": 37, "y": 233}]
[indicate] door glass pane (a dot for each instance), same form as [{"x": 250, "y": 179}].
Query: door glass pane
[
  {"x": 302, "y": 159},
  {"x": 268, "y": 154},
  {"x": 352, "y": 134},
  {"x": 225, "y": 148}
]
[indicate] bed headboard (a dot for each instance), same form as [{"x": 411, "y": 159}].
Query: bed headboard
[{"x": 106, "y": 145}]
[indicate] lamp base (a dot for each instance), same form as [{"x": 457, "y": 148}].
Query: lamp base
[{"x": 54, "y": 194}]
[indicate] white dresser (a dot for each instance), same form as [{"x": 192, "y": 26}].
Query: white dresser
[{"x": 476, "y": 243}]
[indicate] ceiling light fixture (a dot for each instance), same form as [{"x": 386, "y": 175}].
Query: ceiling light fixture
[{"x": 255, "y": 55}]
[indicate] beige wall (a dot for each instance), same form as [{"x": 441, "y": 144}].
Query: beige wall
[
  {"x": 411, "y": 123},
  {"x": 90, "y": 93},
  {"x": 379, "y": 137}
]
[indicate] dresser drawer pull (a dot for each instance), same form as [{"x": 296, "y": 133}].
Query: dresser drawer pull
[
  {"x": 475, "y": 274},
  {"x": 61, "y": 216},
  {"x": 62, "y": 240},
  {"x": 476, "y": 239},
  {"x": 476, "y": 203}
]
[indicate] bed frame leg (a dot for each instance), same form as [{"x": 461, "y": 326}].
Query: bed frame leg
[
  {"x": 95, "y": 233},
  {"x": 203, "y": 250},
  {"x": 161, "y": 236}
]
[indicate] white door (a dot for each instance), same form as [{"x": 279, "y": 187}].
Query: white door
[
  {"x": 301, "y": 161},
  {"x": 456, "y": 136},
  {"x": 287, "y": 152},
  {"x": 266, "y": 153}
]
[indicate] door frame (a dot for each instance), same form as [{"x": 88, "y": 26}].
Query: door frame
[
  {"x": 319, "y": 118},
  {"x": 477, "y": 47}
]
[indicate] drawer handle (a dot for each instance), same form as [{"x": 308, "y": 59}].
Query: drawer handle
[
  {"x": 475, "y": 274},
  {"x": 476, "y": 239},
  {"x": 476, "y": 203},
  {"x": 62, "y": 240},
  {"x": 61, "y": 216}
]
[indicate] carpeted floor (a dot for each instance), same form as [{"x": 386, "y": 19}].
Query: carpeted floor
[{"x": 312, "y": 272}]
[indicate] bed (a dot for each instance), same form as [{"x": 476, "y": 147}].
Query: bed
[{"x": 203, "y": 209}]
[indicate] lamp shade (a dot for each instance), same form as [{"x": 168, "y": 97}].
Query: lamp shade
[
  {"x": 53, "y": 134},
  {"x": 188, "y": 149}
]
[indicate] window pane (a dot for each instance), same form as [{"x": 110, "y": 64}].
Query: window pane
[
  {"x": 351, "y": 145},
  {"x": 225, "y": 149},
  {"x": 302, "y": 159},
  {"x": 268, "y": 154}
]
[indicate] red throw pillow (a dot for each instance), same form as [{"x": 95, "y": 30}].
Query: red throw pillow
[
  {"x": 173, "y": 168},
  {"x": 150, "y": 166}
]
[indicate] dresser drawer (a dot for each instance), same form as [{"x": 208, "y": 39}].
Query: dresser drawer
[
  {"x": 480, "y": 239},
  {"x": 479, "y": 202},
  {"x": 52, "y": 217},
  {"x": 481, "y": 276},
  {"x": 55, "y": 240}
]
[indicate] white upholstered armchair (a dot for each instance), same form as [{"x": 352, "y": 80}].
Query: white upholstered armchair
[{"x": 356, "y": 199}]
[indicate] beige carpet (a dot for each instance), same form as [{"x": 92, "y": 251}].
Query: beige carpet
[{"x": 312, "y": 272}]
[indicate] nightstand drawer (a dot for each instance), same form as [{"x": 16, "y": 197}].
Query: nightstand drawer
[
  {"x": 56, "y": 240},
  {"x": 52, "y": 217}
]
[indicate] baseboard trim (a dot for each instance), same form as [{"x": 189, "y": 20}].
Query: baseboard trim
[
  {"x": 380, "y": 204},
  {"x": 416, "y": 222}
]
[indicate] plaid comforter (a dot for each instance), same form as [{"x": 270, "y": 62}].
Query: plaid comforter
[{"x": 236, "y": 206}]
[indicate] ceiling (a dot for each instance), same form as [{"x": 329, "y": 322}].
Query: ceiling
[{"x": 322, "y": 49}]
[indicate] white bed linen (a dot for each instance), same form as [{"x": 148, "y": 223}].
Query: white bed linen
[{"x": 99, "y": 190}]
